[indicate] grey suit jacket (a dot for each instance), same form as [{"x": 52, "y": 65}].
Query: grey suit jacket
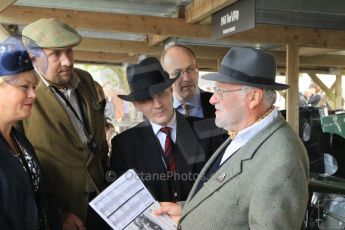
[{"x": 264, "y": 185}]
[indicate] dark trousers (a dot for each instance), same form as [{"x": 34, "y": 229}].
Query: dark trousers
[{"x": 93, "y": 220}]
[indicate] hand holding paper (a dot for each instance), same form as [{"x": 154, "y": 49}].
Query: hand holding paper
[
  {"x": 174, "y": 210},
  {"x": 127, "y": 204}
]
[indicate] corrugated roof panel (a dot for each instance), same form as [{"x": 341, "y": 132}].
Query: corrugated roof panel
[{"x": 162, "y": 8}]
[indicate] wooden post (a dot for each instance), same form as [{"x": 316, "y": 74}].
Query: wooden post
[
  {"x": 292, "y": 75},
  {"x": 338, "y": 91},
  {"x": 3, "y": 33}
]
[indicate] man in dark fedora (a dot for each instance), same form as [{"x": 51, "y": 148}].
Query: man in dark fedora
[
  {"x": 165, "y": 150},
  {"x": 258, "y": 178}
]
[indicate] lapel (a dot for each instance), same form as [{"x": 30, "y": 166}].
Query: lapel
[
  {"x": 14, "y": 166},
  {"x": 47, "y": 101},
  {"x": 89, "y": 102},
  {"x": 231, "y": 168},
  {"x": 151, "y": 146},
  {"x": 189, "y": 150}
]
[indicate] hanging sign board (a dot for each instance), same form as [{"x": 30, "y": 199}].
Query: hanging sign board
[{"x": 235, "y": 18}]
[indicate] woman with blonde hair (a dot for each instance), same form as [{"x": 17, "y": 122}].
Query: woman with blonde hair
[{"x": 23, "y": 203}]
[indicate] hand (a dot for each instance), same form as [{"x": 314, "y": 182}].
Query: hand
[
  {"x": 71, "y": 222},
  {"x": 173, "y": 210}
]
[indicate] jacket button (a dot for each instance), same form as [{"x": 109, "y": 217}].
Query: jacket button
[{"x": 179, "y": 227}]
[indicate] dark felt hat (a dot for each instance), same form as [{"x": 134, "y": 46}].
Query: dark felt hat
[
  {"x": 146, "y": 79},
  {"x": 248, "y": 66}
]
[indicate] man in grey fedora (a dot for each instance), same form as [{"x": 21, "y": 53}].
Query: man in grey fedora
[{"x": 258, "y": 179}]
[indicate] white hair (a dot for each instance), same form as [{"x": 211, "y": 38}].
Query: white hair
[{"x": 269, "y": 96}]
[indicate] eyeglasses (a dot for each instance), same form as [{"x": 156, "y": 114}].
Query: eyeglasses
[
  {"x": 220, "y": 92},
  {"x": 188, "y": 70}
]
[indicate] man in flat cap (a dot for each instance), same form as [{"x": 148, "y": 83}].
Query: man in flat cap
[
  {"x": 165, "y": 149},
  {"x": 258, "y": 179},
  {"x": 66, "y": 125}
]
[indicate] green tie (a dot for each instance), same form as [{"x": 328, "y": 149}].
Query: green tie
[{"x": 186, "y": 109}]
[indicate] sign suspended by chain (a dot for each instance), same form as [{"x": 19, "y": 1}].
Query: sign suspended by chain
[{"x": 235, "y": 18}]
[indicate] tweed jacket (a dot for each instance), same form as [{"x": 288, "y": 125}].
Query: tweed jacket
[
  {"x": 70, "y": 167},
  {"x": 138, "y": 148},
  {"x": 264, "y": 185}
]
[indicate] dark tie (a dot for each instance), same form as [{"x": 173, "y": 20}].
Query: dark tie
[
  {"x": 186, "y": 109},
  {"x": 169, "y": 150}
]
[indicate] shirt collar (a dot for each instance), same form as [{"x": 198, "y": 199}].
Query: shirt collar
[
  {"x": 72, "y": 84},
  {"x": 247, "y": 133},
  {"x": 195, "y": 101},
  {"x": 172, "y": 124}
]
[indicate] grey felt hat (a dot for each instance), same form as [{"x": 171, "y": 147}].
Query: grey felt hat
[{"x": 248, "y": 66}]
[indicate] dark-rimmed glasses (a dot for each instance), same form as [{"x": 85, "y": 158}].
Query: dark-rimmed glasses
[{"x": 179, "y": 72}]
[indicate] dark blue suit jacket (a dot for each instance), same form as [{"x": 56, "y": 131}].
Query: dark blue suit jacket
[
  {"x": 207, "y": 108},
  {"x": 20, "y": 208}
]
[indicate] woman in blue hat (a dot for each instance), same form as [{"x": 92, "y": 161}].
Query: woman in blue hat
[{"x": 23, "y": 204}]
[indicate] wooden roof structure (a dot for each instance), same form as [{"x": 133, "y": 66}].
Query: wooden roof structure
[{"x": 304, "y": 36}]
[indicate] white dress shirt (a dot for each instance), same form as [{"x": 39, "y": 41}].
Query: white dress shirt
[
  {"x": 246, "y": 134},
  {"x": 162, "y": 136},
  {"x": 195, "y": 107}
]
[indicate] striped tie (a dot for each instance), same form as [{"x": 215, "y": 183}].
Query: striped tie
[{"x": 169, "y": 149}]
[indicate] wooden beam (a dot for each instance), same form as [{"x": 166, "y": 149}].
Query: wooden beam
[
  {"x": 4, "y": 33},
  {"x": 292, "y": 77},
  {"x": 6, "y": 3},
  {"x": 326, "y": 60},
  {"x": 117, "y": 46},
  {"x": 141, "y": 47},
  {"x": 206, "y": 21},
  {"x": 323, "y": 87},
  {"x": 201, "y": 9},
  {"x": 209, "y": 52},
  {"x": 208, "y": 64},
  {"x": 282, "y": 70},
  {"x": 312, "y": 51},
  {"x": 99, "y": 21},
  {"x": 102, "y": 57},
  {"x": 116, "y": 58},
  {"x": 154, "y": 40},
  {"x": 322, "y": 38}
]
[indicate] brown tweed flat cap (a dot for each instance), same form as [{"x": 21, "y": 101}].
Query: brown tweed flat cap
[{"x": 51, "y": 33}]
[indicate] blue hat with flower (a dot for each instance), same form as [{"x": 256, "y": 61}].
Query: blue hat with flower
[
  {"x": 19, "y": 54},
  {"x": 15, "y": 62}
]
